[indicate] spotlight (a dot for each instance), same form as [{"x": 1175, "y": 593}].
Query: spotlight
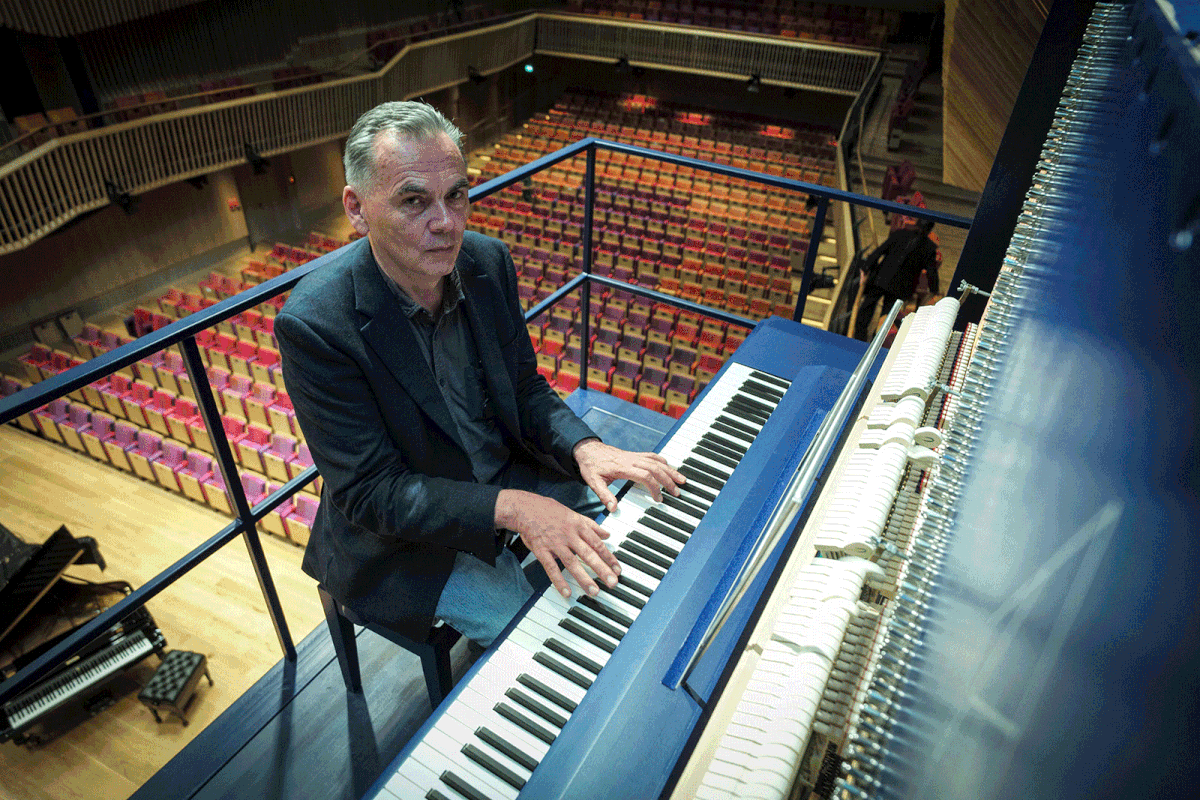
[
  {"x": 119, "y": 197},
  {"x": 755, "y": 82},
  {"x": 529, "y": 68},
  {"x": 475, "y": 77},
  {"x": 622, "y": 65},
  {"x": 259, "y": 163}
]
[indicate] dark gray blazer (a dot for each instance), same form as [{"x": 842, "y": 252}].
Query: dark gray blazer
[{"x": 399, "y": 500}]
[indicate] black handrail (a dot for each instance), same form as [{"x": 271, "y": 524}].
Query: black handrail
[{"x": 183, "y": 332}]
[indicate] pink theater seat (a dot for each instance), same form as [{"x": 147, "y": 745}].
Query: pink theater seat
[
  {"x": 260, "y": 398},
  {"x": 171, "y": 459},
  {"x": 282, "y": 415},
  {"x": 217, "y": 495},
  {"x": 193, "y": 474},
  {"x": 39, "y": 356},
  {"x": 146, "y": 369},
  {"x": 273, "y": 521},
  {"x": 172, "y": 375},
  {"x": 299, "y": 464},
  {"x": 124, "y": 439},
  {"x": 95, "y": 436},
  {"x": 240, "y": 358},
  {"x": 149, "y": 445},
  {"x": 161, "y": 403},
  {"x": 49, "y": 416},
  {"x": 180, "y": 420},
  {"x": 233, "y": 395},
  {"x": 139, "y": 395},
  {"x": 299, "y": 522},
  {"x": 275, "y": 458},
  {"x": 265, "y": 365},
  {"x": 79, "y": 417},
  {"x": 250, "y": 447}
]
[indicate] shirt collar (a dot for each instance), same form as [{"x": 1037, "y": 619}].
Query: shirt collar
[{"x": 452, "y": 294}]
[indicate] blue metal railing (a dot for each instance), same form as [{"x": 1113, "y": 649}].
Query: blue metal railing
[{"x": 184, "y": 331}]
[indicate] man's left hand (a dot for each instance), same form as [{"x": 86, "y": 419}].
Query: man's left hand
[{"x": 600, "y": 464}]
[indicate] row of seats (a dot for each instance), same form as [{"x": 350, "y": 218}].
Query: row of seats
[
  {"x": 144, "y": 420},
  {"x": 863, "y": 27}
]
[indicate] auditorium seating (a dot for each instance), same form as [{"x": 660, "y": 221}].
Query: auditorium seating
[
  {"x": 825, "y": 22},
  {"x": 677, "y": 230}
]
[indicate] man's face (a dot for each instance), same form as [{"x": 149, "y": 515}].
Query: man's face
[{"x": 415, "y": 209}]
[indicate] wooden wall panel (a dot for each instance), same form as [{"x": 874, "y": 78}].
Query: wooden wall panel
[{"x": 987, "y": 49}]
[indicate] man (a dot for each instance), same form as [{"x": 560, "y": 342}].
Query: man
[
  {"x": 893, "y": 271},
  {"x": 413, "y": 377}
]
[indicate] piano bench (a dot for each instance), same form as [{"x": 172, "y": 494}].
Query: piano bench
[
  {"x": 434, "y": 651},
  {"x": 173, "y": 684}
]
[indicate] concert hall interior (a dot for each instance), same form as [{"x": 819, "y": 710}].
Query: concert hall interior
[{"x": 942, "y": 546}]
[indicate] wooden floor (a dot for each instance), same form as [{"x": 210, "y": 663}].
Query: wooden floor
[{"x": 217, "y": 609}]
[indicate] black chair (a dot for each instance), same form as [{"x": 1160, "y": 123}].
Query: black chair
[{"x": 434, "y": 651}]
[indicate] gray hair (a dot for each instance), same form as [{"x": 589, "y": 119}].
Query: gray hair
[{"x": 411, "y": 119}]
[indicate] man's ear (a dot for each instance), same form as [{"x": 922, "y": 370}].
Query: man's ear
[{"x": 353, "y": 207}]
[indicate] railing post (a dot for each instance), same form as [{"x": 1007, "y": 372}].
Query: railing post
[
  {"x": 810, "y": 257},
  {"x": 585, "y": 291},
  {"x": 207, "y": 404}
]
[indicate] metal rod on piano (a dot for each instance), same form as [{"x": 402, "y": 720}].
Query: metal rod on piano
[{"x": 788, "y": 505}]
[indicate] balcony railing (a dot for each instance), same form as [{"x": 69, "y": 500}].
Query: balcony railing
[
  {"x": 64, "y": 177},
  {"x": 183, "y": 333}
]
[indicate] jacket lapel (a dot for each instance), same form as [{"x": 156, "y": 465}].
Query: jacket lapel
[
  {"x": 482, "y": 299},
  {"x": 388, "y": 332}
]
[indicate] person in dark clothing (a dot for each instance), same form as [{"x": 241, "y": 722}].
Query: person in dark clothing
[{"x": 893, "y": 270}]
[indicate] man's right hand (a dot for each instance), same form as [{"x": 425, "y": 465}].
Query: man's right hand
[{"x": 555, "y": 533}]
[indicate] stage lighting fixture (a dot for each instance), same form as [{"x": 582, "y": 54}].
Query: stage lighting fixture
[
  {"x": 622, "y": 65},
  {"x": 755, "y": 82},
  {"x": 259, "y": 163},
  {"x": 529, "y": 68},
  {"x": 475, "y": 76},
  {"x": 119, "y": 197}
]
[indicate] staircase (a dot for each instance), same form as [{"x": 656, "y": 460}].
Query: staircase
[{"x": 920, "y": 142}]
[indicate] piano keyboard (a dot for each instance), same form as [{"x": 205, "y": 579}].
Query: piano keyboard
[
  {"x": 27, "y": 708},
  {"x": 492, "y": 735},
  {"x": 804, "y": 674}
]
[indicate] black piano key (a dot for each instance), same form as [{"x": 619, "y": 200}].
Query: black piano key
[
  {"x": 713, "y": 454},
  {"x": 666, "y": 529},
  {"x": 554, "y": 665},
  {"x": 604, "y": 626},
  {"x": 659, "y": 547},
  {"x": 621, "y": 594},
  {"x": 746, "y": 409},
  {"x": 462, "y": 787},
  {"x": 550, "y": 715},
  {"x": 493, "y": 766},
  {"x": 646, "y": 554},
  {"x": 683, "y": 505},
  {"x": 722, "y": 424},
  {"x": 717, "y": 473},
  {"x": 565, "y": 703},
  {"x": 725, "y": 445},
  {"x": 600, "y": 608},
  {"x": 767, "y": 377},
  {"x": 524, "y": 723},
  {"x": 434, "y": 794},
  {"x": 699, "y": 476},
  {"x": 692, "y": 489},
  {"x": 572, "y": 655},
  {"x": 772, "y": 396},
  {"x": 585, "y": 633},
  {"x": 639, "y": 564},
  {"x": 674, "y": 520},
  {"x": 746, "y": 404},
  {"x": 508, "y": 748}
]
